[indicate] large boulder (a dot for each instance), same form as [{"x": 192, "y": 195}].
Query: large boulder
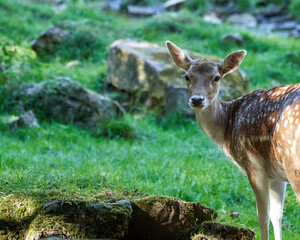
[
  {"x": 162, "y": 217},
  {"x": 66, "y": 101},
  {"x": 137, "y": 67}
]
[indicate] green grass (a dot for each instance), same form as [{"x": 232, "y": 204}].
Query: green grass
[{"x": 172, "y": 157}]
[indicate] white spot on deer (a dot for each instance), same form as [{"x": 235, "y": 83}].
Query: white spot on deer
[
  {"x": 297, "y": 120},
  {"x": 289, "y": 141},
  {"x": 282, "y": 135},
  {"x": 291, "y": 120},
  {"x": 297, "y": 107},
  {"x": 287, "y": 151},
  {"x": 285, "y": 123}
]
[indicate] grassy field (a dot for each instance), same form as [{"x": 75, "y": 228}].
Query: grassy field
[{"x": 171, "y": 157}]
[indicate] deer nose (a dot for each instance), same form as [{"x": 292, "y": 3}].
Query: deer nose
[{"x": 197, "y": 101}]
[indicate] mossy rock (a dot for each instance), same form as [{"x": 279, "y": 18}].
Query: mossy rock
[
  {"x": 64, "y": 100},
  {"x": 226, "y": 232},
  {"x": 81, "y": 220},
  {"x": 203, "y": 237},
  {"x": 137, "y": 67},
  {"x": 162, "y": 217},
  {"x": 16, "y": 213}
]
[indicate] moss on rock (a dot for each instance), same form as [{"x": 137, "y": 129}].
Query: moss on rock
[{"x": 81, "y": 220}]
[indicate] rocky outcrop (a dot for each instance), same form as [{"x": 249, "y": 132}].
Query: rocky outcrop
[
  {"x": 137, "y": 67},
  {"x": 162, "y": 217},
  {"x": 66, "y": 101},
  {"x": 82, "y": 220},
  {"x": 154, "y": 217}
]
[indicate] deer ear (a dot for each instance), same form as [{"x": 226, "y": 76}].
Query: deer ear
[
  {"x": 232, "y": 62},
  {"x": 181, "y": 59}
]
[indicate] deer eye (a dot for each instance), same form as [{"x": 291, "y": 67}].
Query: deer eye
[
  {"x": 186, "y": 78},
  {"x": 217, "y": 78}
]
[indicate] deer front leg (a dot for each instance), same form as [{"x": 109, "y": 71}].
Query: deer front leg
[
  {"x": 276, "y": 195},
  {"x": 260, "y": 185}
]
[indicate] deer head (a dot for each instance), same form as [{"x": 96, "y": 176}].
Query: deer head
[{"x": 203, "y": 76}]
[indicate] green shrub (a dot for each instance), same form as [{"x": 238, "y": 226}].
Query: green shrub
[
  {"x": 294, "y": 9},
  {"x": 118, "y": 129},
  {"x": 12, "y": 64}
]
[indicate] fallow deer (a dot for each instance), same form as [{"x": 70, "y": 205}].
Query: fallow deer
[{"x": 259, "y": 132}]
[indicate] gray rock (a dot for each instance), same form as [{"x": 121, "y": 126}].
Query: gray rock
[
  {"x": 243, "y": 20},
  {"x": 145, "y": 11},
  {"x": 289, "y": 25},
  {"x": 137, "y": 67},
  {"x": 231, "y": 38},
  {"x": 212, "y": 18},
  {"x": 66, "y": 101},
  {"x": 226, "y": 232},
  {"x": 114, "y": 4},
  {"x": 26, "y": 120},
  {"x": 162, "y": 217},
  {"x": 174, "y": 5},
  {"x": 49, "y": 39}
]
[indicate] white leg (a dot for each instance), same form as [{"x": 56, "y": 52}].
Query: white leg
[
  {"x": 260, "y": 185},
  {"x": 276, "y": 195}
]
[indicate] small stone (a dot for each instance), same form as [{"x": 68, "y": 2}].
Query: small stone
[
  {"x": 231, "y": 38},
  {"x": 243, "y": 20},
  {"x": 26, "y": 120},
  {"x": 50, "y": 38},
  {"x": 212, "y": 18},
  {"x": 234, "y": 214},
  {"x": 72, "y": 64},
  {"x": 289, "y": 25},
  {"x": 173, "y": 4},
  {"x": 114, "y": 4},
  {"x": 145, "y": 11}
]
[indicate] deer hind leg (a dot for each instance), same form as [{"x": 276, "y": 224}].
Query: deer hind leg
[
  {"x": 260, "y": 185},
  {"x": 292, "y": 168},
  {"x": 276, "y": 196}
]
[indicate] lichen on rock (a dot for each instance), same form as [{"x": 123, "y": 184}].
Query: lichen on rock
[{"x": 135, "y": 66}]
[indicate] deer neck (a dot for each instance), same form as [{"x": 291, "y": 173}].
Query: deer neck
[{"x": 213, "y": 120}]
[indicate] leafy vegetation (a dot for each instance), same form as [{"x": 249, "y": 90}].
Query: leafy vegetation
[{"x": 141, "y": 155}]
